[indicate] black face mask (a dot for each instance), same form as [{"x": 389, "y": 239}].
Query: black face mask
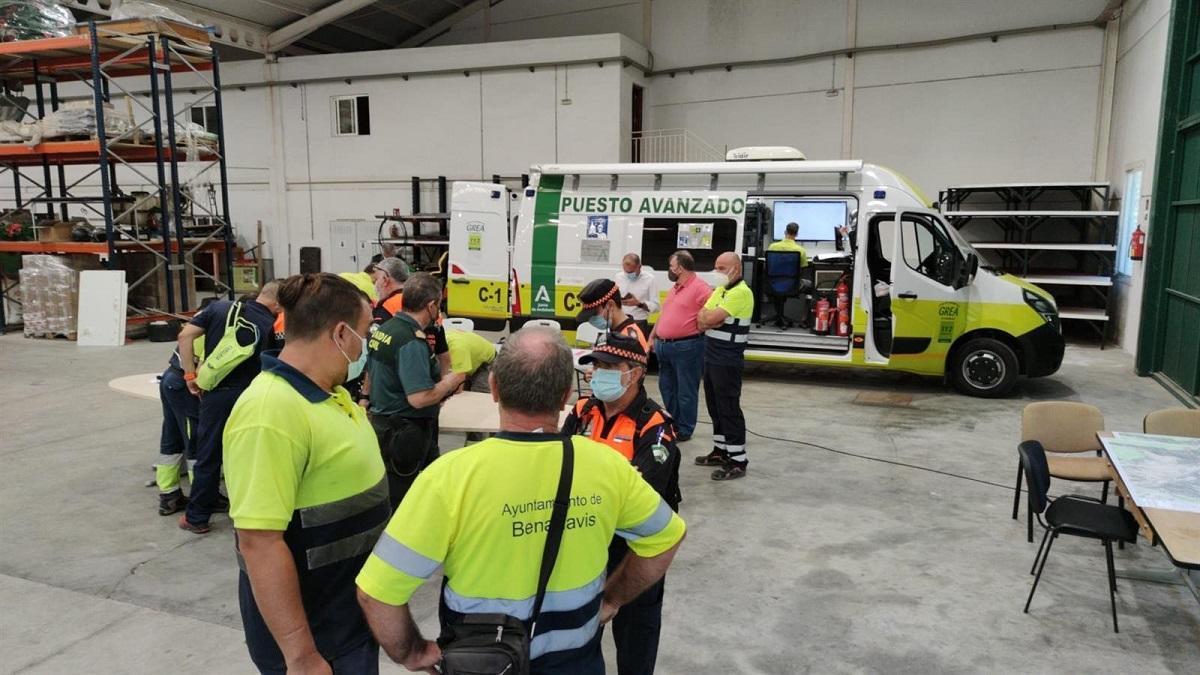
[{"x": 672, "y": 277}]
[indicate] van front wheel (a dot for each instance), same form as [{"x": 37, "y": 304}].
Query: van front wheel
[{"x": 984, "y": 367}]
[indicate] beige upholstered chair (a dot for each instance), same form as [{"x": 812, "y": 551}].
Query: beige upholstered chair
[
  {"x": 1173, "y": 422},
  {"x": 1067, "y": 430}
]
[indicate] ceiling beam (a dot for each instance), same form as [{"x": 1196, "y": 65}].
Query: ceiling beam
[
  {"x": 385, "y": 40},
  {"x": 445, "y": 24},
  {"x": 286, "y": 6},
  {"x": 326, "y": 15},
  {"x": 1111, "y": 10},
  {"x": 401, "y": 14}
]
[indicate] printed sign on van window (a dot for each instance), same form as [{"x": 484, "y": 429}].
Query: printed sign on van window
[
  {"x": 597, "y": 227},
  {"x": 703, "y": 203}
]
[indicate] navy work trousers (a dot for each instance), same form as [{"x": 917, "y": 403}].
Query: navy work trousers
[
  {"x": 181, "y": 415},
  {"x": 215, "y": 407}
]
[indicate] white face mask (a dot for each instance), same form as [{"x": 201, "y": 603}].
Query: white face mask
[
  {"x": 722, "y": 278},
  {"x": 354, "y": 367}
]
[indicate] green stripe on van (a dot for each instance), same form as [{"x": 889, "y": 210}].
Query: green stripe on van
[{"x": 545, "y": 246}]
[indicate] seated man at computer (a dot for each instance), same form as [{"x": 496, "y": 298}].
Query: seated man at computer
[{"x": 788, "y": 243}]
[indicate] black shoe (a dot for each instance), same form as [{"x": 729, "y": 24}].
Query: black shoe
[
  {"x": 171, "y": 502},
  {"x": 714, "y": 458},
  {"x": 683, "y": 438},
  {"x": 730, "y": 471},
  {"x": 221, "y": 505}
]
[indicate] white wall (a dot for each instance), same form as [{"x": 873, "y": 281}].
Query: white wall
[
  {"x": 288, "y": 169},
  {"x": 461, "y": 127},
  {"x": 1021, "y": 108},
  {"x": 1137, "y": 100}
]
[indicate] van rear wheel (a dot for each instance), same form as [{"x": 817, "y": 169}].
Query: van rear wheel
[{"x": 984, "y": 367}]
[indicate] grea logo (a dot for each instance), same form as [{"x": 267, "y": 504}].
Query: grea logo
[{"x": 948, "y": 310}]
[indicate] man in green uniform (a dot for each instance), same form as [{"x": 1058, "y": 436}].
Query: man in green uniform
[{"x": 406, "y": 388}]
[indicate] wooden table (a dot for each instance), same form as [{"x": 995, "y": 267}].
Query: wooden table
[
  {"x": 472, "y": 411},
  {"x": 141, "y": 386},
  {"x": 1177, "y": 531},
  {"x": 467, "y": 411}
]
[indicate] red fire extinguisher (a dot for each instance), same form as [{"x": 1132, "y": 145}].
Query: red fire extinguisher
[
  {"x": 1137, "y": 244},
  {"x": 821, "y": 325},
  {"x": 843, "y": 322}
]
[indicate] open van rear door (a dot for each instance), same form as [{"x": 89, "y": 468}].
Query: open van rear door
[
  {"x": 479, "y": 251},
  {"x": 928, "y": 311}
]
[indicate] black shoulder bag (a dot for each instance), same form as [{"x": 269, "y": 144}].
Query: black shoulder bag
[{"x": 495, "y": 644}]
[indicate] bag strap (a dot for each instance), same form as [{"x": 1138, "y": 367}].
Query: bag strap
[
  {"x": 232, "y": 316},
  {"x": 558, "y": 521}
]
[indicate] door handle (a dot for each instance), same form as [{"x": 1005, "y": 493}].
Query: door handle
[
  {"x": 459, "y": 280},
  {"x": 908, "y": 295}
]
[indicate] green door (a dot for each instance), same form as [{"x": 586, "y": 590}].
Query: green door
[{"x": 1170, "y": 343}]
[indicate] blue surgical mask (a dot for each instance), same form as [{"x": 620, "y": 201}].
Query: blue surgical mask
[
  {"x": 354, "y": 367},
  {"x": 607, "y": 385},
  {"x": 599, "y": 322},
  {"x": 632, "y": 276}
]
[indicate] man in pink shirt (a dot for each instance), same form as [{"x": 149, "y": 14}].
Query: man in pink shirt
[{"x": 679, "y": 343}]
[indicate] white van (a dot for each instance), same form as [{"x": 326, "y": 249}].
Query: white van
[{"x": 919, "y": 301}]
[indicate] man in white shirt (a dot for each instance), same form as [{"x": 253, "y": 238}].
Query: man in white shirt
[{"x": 639, "y": 294}]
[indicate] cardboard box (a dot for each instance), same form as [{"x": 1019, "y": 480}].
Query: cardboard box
[{"x": 54, "y": 232}]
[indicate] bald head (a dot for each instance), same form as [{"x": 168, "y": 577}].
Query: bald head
[
  {"x": 534, "y": 371},
  {"x": 730, "y": 264}
]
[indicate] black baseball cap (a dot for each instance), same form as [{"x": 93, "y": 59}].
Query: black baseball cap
[
  {"x": 617, "y": 348},
  {"x": 594, "y": 296}
]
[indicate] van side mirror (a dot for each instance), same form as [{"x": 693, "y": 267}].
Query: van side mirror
[{"x": 965, "y": 270}]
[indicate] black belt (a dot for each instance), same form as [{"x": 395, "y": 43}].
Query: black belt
[{"x": 689, "y": 337}]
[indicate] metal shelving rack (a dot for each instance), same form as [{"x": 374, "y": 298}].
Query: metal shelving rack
[
  {"x": 101, "y": 59},
  {"x": 1084, "y": 234}
]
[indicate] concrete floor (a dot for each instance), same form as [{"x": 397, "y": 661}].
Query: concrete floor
[{"x": 817, "y": 561}]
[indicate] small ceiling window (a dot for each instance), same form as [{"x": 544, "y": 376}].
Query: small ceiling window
[{"x": 351, "y": 116}]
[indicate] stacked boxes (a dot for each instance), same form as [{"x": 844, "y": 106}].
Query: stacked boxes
[{"x": 50, "y": 294}]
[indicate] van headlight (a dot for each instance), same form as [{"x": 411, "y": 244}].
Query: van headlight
[{"x": 1043, "y": 307}]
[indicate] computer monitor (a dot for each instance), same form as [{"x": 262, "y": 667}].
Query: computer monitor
[{"x": 818, "y": 220}]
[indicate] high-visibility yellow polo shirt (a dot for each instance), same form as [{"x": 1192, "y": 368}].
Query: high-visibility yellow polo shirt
[
  {"x": 306, "y": 462},
  {"x": 481, "y": 513},
  {"x": 725, "y": 344},
  {"x": 469, "y": 351},
  {"x": 792, "y": 246}
]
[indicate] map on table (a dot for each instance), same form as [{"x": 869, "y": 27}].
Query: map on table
[{"x": 1161, "y": 472}]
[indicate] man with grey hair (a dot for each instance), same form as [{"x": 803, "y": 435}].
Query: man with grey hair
[
  {"x": 480, "y": 514},
  {"x": 638, "y": 290},
  {"x": 389, "y": 276}
]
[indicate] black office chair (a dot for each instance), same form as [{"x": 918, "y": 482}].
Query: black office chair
[
  {"x": 784, "y": 281},
  {"x": 1074, "y": 515}
]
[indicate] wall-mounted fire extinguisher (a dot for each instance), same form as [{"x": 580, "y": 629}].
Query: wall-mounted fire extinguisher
[
  {"x": 822, "y": 311},
  {"x": 1137, "y": 244}
]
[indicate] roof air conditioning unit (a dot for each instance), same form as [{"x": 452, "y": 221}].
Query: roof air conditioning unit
[{"x": 765, "y": 153}]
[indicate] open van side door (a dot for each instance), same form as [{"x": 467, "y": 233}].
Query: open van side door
[
  {"x": 928, "y": 296},
  {"x": 479, "y": 251}
]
